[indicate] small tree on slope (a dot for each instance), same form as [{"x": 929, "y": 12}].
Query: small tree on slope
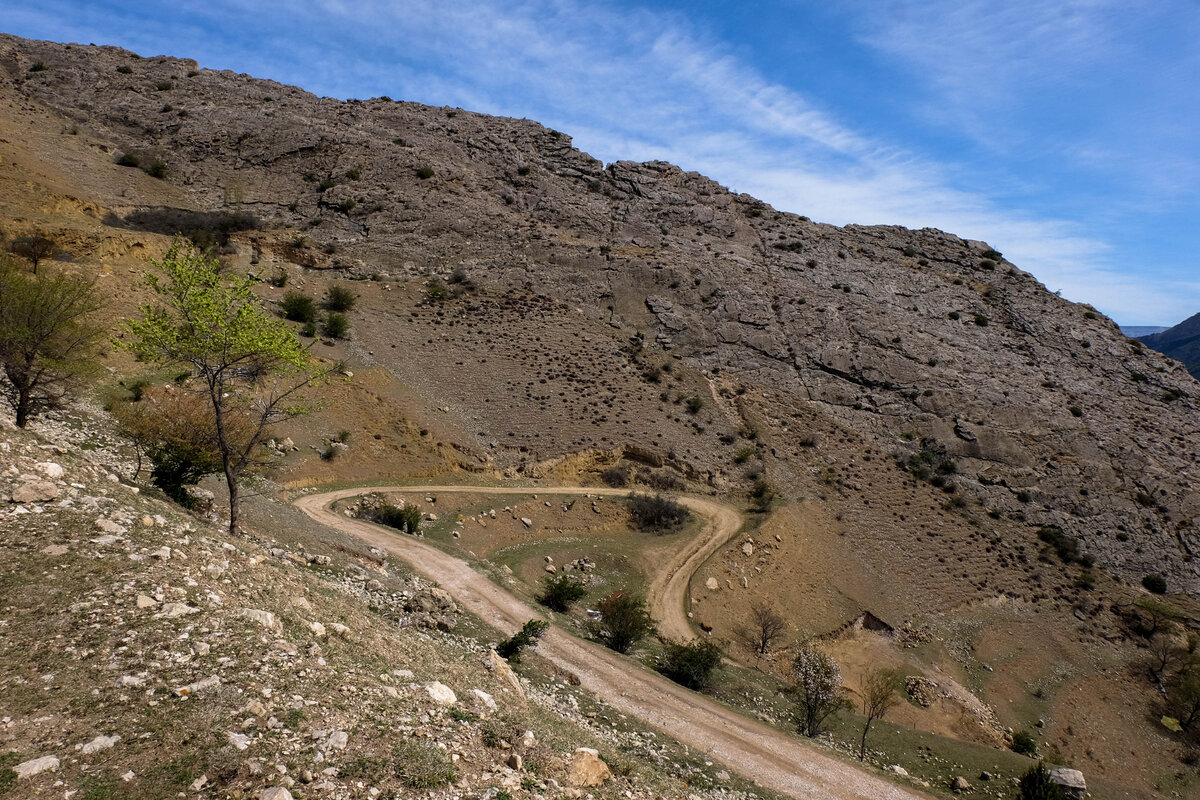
[{"x": 250, "y": 364}]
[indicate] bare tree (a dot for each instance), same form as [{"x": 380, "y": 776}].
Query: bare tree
[
  {"x": 880, "y": 694},
  {"x": 35, "y": 248},
  {"x": 765, "y": 626},
  {"x": 1164, "y": 655}
]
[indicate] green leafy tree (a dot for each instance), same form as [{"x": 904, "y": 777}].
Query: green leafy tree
[
  {"x": 624, "y": 621},
  {"x": 691, "y": 663},
  {"x": 250, "y": 364},
  {"x": 47, "y": 337}
]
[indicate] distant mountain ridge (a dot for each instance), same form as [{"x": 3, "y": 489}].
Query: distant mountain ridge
[
  {"x": 1138, "y": 331},
  {"x": 1181, "y": 343}
]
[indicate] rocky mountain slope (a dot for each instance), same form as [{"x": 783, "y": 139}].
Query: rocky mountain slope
[
  {"x": 1181, "y": 342},
  {"x": 593, "y": 276},
  {"x": 922, "y": 429}
]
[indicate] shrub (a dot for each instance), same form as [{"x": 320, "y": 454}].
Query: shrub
[
  {"x": 762, "y": 494},
  {"x": 981, "y": 320},
  {"x": 655, "y": 512},
  {"x": 1024, "y": 743},
  {"x": 662, "y": 481},
  {"x": 616, "y": 477},
  {"x": 339, "y": 298},
  {"x": 1036, "y": 785},
  {"x": 158, "y": 169},
  {"x": 309, "y": 329},
  {"x": 560, "y": 592},
  {"x": 279, "y": 281},
  {"x": 1155, "y": 583},
  {"x": 691, "y": 664},
  {"x": 425, "y": 173},
  {"x": 1076, "y": 411},
  {"x": 1065, "y": 545},
  {"x": 424, "y": 765},
  {"x": 930, "y": 462},
  {"x": 298, "y": 307},
  {"x": 405, "y": 517},
  {"x": 744, "y": 455},
  {"x": 694, "y": 404},
  {"x": 953, "y": 315},
  {"x": 437, "y": 290},
  {"x": 510, "y": 649},
  {"x": 164, "y": 86},
  {"x": 354, "y": 174},
  {"x": 125, "y": 69},
  {"x": 624, "y": 621},
  {"x": 336, "y": 326},
  {"x": 38, "y": 67},
  {"x": 128, "y": 160}
]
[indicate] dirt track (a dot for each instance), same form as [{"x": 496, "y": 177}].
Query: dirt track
[{"x": 766, "y": 756}]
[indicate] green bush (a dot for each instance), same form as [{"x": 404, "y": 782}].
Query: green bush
[
  {"x": 339, "y": 298},
  {"x": 1036, "y": 785},
  {"x": 406, "y": 517},
  {"x": 336, "y": 326},
  {"x": 655, "y": 512},
  {"x": 624, "y": 621},
  {"x": 298, "y": 307},
  {"x": 1024, "y": 743},
  {"x": 1155, "y": 583},
  {"x": 425, "y": 173},
  {"x": 125, "y": 69},
  {"x": 560, "y": 592},
  {"x": 510, "y": 649},
  {"x": 694, "y": 404},
  {"x": 1065, "y": 545},
  {"x": 158, "y": 169},
  {"x": 691, "y": 664},
  {"x": 38, "y": 67},
  {"x": 128, "y": 160}
]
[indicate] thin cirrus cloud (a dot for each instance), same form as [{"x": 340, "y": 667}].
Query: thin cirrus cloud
[{"x": 630, "y": 82}]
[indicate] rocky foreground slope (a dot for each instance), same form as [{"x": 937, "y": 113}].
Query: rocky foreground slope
[
  {"x": 146, "y": 653},
  {"x": 826, "y": 341}
]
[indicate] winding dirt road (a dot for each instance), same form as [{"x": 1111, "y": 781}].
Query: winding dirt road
[{"x": 769, "y": 758}]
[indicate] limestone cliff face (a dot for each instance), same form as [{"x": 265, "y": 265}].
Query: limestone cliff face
[{"x": 892, "y": 337}]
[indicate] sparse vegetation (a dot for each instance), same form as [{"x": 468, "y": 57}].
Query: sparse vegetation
[
  {"x": 1155, "y": 583},
  {"x": 405, "y": 517},
  {"x": 655, "y": 512},
  {"x": 425, "y": 173},
  {"x": 616, "y": 476},
  {"x": 335, "y": 325},
  {"x": 298, "y": 307},
  {"x": 47, "y": 338},
  {"x": 1036, "y": 785},
  {"x": 624, "y": 621},
  {"x": 766, "y": 626},
  {"x": 1024, "y": 743},
  {"x": 560, "y": 592},
  {"x": 510, "y": 649},
  {"x": 422, "y": 764},
  {"x": 691, "y": 664},
  {"x": 880, "y": 694}
]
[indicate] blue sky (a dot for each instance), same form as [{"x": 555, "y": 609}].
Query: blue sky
[{"x": 1066, "y": 134}]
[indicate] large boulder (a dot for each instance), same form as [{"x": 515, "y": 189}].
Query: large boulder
[
  {"x": 587, "y": 769},
  {"x": 35, "y": 492},
  {"x": 1070, "y": 781}
]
